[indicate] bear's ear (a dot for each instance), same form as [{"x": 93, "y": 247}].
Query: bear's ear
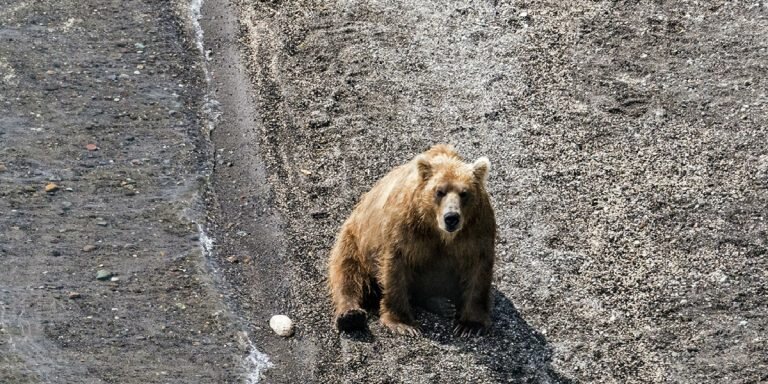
[
  {"x": 480, "y": 168},
  {"x": 424, "y": 167}
]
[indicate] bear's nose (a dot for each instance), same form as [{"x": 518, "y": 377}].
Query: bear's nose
[{"x": 451, "y": 220}]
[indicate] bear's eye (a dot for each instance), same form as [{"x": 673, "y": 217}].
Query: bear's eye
[
  {"x": 463, "y": 194},
  {"x": 440, "y": 193}
]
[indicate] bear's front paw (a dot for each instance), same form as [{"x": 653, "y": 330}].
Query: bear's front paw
[
  {"x": 351, "y": 320},
  {"x": 469, "y": 328},
  {"x": 399, "y": 327}
]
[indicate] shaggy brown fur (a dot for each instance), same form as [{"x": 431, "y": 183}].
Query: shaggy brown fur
[{"x": 426, "y": 229}]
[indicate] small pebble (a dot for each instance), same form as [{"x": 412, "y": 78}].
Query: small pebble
[
  {"x": 74, "y": 295},
  {"x": 103, "y": 274},
  {"x": 89, "y": 248},
  {"x": 51, "y": 187},
  {"x": 282, "y": 325},
  {"x": 91, "y": 147}
]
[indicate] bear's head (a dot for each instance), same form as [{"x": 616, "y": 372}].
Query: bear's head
[{"x": 451, "y": 190}]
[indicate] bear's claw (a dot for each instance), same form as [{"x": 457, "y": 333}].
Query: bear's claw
[
  {"x": 405, "y": 330},
  {"x": 469, "y": 328},
  {"x": 401, "y": 328},
  {"x": 351, "y": 320}
]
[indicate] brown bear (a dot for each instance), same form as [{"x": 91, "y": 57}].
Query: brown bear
[{"x": 427, "y": 229}]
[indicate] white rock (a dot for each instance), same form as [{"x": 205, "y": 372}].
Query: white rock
[{"x": 282, "y": 325}]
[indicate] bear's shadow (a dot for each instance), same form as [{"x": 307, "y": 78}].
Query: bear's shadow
[{"x": 512, "y": 349}]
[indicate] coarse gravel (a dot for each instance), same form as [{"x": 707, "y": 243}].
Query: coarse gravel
[{"x": 629, "y": 178}]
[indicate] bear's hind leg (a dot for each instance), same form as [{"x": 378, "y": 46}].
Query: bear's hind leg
[{"x": 347, "y": 281}]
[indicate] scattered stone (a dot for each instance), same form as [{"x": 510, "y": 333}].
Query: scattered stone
[
  {"x": 181, "y": 306},
  {"x": 66, "y": 205},
  {"x": 3, "y": 168},
  {"x": 233, "y": 259},
  {"x": 317, "y": 215},
  {"x": 103, "y": 274},
  {"x": 114, "y": 279},
  {"x": 282, "y": 325},
  {"x": 55, "y": 253},
  {"x": 718, "y": 276},
  {"x": 74, "y": 295},
  {"x": 51, "y": 187},
  {"x": 91, "y": 147},
  {"x": 89, "y": 248},
  {"x": 305, "y": 172},
  {"x": 101, "y": 222},
  {"x": 319, "y": 119}
]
